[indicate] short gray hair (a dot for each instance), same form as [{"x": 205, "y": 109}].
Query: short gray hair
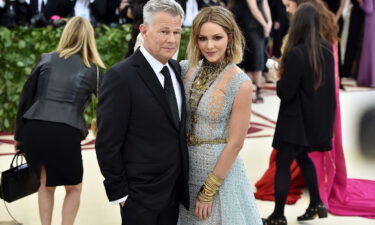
[{"x": 154, "y": 6}]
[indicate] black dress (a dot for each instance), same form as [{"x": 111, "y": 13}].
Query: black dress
[
  {"x": 254, "y": 59},
  {"x": 56, "y": 147}
]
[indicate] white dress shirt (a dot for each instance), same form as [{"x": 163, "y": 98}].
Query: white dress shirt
[{"x": 157, "y": 66}]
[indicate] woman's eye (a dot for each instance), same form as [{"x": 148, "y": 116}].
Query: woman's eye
[
  {"x": 217, "y": 38},
  {"x": 202, "y": 38}
]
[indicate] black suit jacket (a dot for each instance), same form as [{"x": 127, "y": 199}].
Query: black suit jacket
[
  {"x": 306, "y": 115},
  {"x": 141, "y": 152}
]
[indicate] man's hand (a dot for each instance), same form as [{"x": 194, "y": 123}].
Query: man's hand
[{"x": 203, "y": 209}]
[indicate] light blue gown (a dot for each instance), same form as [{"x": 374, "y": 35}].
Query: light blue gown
[{"x": 235, "y": 203}]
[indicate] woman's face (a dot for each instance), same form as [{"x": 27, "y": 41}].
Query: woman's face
[
  {"x": 213, "y": 42},
  {"x": 290, "y": 6}
]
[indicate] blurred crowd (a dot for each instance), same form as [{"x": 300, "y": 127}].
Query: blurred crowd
[{"x": 40, "y": 13}]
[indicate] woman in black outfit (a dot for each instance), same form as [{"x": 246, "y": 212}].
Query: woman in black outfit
[
  {"x": 305, "y": 123},
  {"x": 254, "y": 18},
  {"x": 50, "y": 123}
]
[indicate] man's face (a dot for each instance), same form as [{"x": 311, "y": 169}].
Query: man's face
[{"x": 162, "y": 37}]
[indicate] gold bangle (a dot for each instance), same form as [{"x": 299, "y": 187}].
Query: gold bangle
[{"x": 209, "y": 188}]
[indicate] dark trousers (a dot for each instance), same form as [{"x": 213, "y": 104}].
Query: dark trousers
[
  {"x": 135, "y": 214},
  {"x": 285, "y": 156}
]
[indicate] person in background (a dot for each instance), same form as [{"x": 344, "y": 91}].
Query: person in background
[
  {"x": 338, "y": 192},
  {"x": 254, "y": 18},
  {"x": 354, "y": 41},
  {"x": 125, "y": 10},
  {"x": 50, "y": 123},
  {"x": 191, "y": 9},
  {"x": 306, "y": 116},
  {"x": 337, "y": 7},
  {"x": 366, "y": 72},
  {"x": 13, "y": 13},
  {"x": 280, "y": 26},
  {"x": 137, "y": 13},
  {"x": 104, "y": 12},
  {"x": 47, "y": 12}
]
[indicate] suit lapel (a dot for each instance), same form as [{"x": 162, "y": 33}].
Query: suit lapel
[{"x": 148, "y": 76}]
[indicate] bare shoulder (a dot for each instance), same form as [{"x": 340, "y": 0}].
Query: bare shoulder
[
  {"x": 235, "y": 70},
  {"x": 246, "y": 87}
]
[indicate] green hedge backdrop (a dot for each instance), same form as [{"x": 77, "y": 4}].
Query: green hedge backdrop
[{"x": 21, "y": 48}]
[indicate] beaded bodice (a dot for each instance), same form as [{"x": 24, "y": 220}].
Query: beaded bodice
[{"x": 210, "y": 98}]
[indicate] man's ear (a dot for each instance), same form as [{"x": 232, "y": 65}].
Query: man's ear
[{"x": 143, "y": 30}]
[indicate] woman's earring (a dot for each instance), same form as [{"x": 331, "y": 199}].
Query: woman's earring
[{"x": 229, "y": 49}]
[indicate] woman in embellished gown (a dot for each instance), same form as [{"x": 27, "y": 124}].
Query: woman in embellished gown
[
  {"x": 218, "y": 109},
  {"x": 339, "y": 194}
]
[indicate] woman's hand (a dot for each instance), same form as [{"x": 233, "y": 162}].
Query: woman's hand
[
  {"x": 267, "y": 29},
  {"x": 17, "y": 146},
  {"x": 203, "y": 209},
  {"x": 276, "y": 25}
]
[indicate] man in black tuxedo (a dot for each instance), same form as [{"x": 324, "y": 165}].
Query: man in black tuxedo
[{"x": 141, "y": 145}]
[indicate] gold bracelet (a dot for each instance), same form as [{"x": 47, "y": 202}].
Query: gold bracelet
[{"x": 210, "y": 188}]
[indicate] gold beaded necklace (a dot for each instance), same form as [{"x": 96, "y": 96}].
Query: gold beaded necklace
[{"x": 206, "y": 75}]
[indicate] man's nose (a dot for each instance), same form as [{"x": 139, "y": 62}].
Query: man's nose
[{"x": 171, "y": 37}]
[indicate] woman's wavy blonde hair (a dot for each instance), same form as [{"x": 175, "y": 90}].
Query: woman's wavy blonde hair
[
  {"x": 78, "y": 38},
  {"x": 223, "y": 17}
]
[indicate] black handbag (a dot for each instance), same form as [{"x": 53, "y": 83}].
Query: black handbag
[{"x": 19, "y": 181}]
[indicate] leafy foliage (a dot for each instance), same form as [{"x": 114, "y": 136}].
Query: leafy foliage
[{"x": 20, "y": 51}]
